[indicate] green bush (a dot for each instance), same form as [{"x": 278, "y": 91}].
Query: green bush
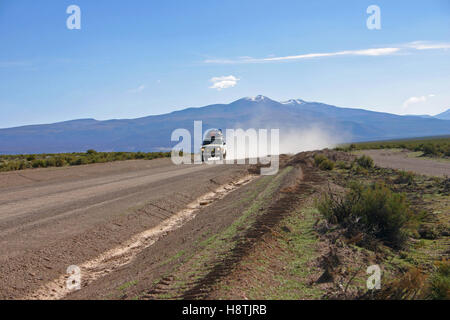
[
  {"x": 365, "y": 162},
  {"x": 60, "y": 162},
  {"x": 38, "y": 163},
  {"x": 374, "y": 210},
  {"x": 341, "y": 164},
  {"x": 318, "y": 159},
  {"x": 82, "y": 160},
  {"x": 430, "y": 149},
  {"x": 357, "y": 169},
  {"x": 440, "y": 282},
  {"x": 405, "y": 177},
  {"x": 326, "y": 165},
  {"x": 51, "y": 162}
]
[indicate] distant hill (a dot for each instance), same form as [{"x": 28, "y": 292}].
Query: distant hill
[
  {"x": 153, "y": 133},
  {"x": 419, "y": 115},
  {"x": 444, "y": 115}
]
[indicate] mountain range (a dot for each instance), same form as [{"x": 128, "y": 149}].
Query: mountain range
[
  {"x": 153, "y": 133},
  {"x": 444, "y": 115}
]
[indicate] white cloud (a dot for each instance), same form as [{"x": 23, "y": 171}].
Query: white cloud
[
  {"x": 424, "y": 45},
  {"x": 414, "y": 100},
  {"x": 365, "y": 52},
  {"x": 224, "y": 82},
  {"x": 417, "y": 45},
  {"x": 138, "y": 89}
]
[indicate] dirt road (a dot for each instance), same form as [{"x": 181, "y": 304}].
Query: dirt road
[
  {"x": 396, "y": 159},
  {"x": 53, "y": 218},
  {"x": 127, "y": 226}
]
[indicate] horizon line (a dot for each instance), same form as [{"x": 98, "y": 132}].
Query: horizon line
[{"x": 250, "y": 98}]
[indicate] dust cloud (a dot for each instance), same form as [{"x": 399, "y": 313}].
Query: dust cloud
[
  {"x": 291, "y": 141},
  {"x": 315, "y": 138}
]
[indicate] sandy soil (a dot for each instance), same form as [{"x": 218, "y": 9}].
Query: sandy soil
[
  {"x": 400, "y": 160},
  {"x": 53, "y": 218}
]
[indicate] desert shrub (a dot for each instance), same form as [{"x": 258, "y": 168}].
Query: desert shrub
[
  {"x": 10, "y": 166},
  {"x": 60, "y": 162},
  {"x": 140, "y": 155},
  {"x": 51, "y": 162},
  {"x": 365, "y": 162},
  {"x": 82, "y": 160},
  {"x": 430, "y": 149},
  {"x": 13, "y": 165},
  {"x": 341, "y": 164},
  {"x": 374, "y": 210},
  {"x": 73, "y": 161},
  {"x": 405, "y": 177},
  {"x": 35, "y": 163},
  {"x": 447, "y": 151},
  {"x": 20, "y": 162},
  {"x": 22, "y": 165},
  {"x": 440, "y": 282},
  {"x": 78, "y": 161},
  {"x": 409, "y": 286},
  {"x": 38, "y": 163},
  {"x": 318, "y": 159},
  {"x": 358, "y": 170},
  {"x": 416, "y": 284},
  {"x": 326, "y": 165}
]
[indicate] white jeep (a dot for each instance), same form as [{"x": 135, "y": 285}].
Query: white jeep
[{"x": 214, "y": 146}]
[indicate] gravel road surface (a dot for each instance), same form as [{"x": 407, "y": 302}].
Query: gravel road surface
[
  {"x": 53, "y": 218},
  {"x": 400, "y": 160}
]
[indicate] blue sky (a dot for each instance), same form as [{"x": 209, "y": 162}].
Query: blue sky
[{"x": 139, "y": 57}]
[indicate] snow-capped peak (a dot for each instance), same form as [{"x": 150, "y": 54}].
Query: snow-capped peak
[
  {"x": 257, "y": 98},
  {"x": 293, "y": 101}
]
